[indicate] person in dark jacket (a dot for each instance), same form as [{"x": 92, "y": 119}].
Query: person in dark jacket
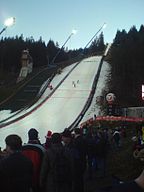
[
  {"x": 80, "y": 145},
  {"x": 15, "y": 169},
  {"x": 48, "y": 180},
  {"x": 136, "y": 185}
]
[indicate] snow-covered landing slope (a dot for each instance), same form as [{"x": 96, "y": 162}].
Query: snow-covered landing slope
[{"x": 61, "y": 109}]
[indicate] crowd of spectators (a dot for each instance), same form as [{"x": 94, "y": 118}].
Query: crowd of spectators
[{"x": 59, "y": 164}]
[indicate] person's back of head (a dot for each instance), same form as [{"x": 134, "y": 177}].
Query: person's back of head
[
  {"x": 56, "y": 138},
  {"x": 66, "y": 137},
  {"x": 77, "y": 131},
  {"x": 13, "y": 142},
  {"x": 17, "y": 169},
  {"x": 67, "y": 133},
  {"x": 33, "y": 134}
]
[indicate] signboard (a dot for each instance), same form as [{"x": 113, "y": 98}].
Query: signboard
[{"x": 110, "y": 97}]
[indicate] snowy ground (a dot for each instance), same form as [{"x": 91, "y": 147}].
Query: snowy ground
[{"x": 66, "y": 103}]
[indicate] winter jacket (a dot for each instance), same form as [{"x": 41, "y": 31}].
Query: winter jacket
[
  {"x": 46, "y": 177},
  {"x": 16, "y": 173}
]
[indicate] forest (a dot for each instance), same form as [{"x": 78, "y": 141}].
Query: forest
[
  {"x": 126, "y": 57},
  {"x": 42, "y": 53}
]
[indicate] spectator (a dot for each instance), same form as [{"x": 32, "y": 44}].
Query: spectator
[
  {"x": 91, "y": 160},
  {"x": 66, "y": 137},
  {"x": 136, "y": 185},
  {"x": 75, "y": 158},
  {"x": 15, "y": 169},
  {"x": 2, "y": 154},
  {"x": 47, "y": 144},
  {"x": 33, "y": 136},
  {"x": 54, "y": 177},
  {"x": 101, "y": 148},
  {"x": 116, "y": 138},
  {"x": 81, "y": 146},
  {"x": 35, "y": 153}
]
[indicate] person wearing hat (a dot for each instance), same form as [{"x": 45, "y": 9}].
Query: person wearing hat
[
  {"x": 66, "y": 137},
  {"x": 47, "y": 144}
]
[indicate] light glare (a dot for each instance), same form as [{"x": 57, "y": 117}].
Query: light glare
[
  {"x": 104, "y": 25},
  {"x": 9, "y": 22},
  {"x": 74, "y": 31}
]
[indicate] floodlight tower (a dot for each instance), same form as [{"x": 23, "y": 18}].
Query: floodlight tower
[
  {"x": 102, "y": 27},
  {"x": 72, "y": 33},
  {"x": 8, "y": 22}
]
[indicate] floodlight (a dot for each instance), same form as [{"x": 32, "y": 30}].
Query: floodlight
[
  {"x": 9, "y": 22},
  {"x": 102, "y": 27},
  {"x": 72, "y": 33}
]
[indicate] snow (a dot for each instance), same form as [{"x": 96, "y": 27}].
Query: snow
[{"x": 58, "y": 111}]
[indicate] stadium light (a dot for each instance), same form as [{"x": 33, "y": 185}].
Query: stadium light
[
  {"x": 72, "y": 33},
  {"x": 102, "y": 27},
  {"x": 8, "y": 22}
]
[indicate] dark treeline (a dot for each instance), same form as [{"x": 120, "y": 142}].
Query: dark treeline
[
  {"x": 42, "y": 53},
  {"x": 127, "y": 61}
]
